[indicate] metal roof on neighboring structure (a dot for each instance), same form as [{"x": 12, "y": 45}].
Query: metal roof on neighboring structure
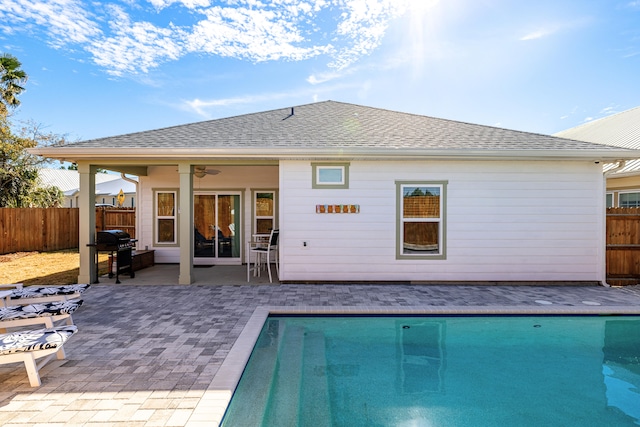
[
  {"x": 68, "y": 180},
  {"x": 112, "y": 188},
  {"x": 618, "y": 130},
  {"x": 328, "y": 128}
]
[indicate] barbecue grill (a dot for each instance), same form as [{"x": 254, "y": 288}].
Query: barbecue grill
[{"x": 121, "y": 243}]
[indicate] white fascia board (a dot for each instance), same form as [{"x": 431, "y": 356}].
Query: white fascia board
[{"x": 133, "y": 154}]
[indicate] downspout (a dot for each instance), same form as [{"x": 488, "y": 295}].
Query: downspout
[{"x": 621, "y": 165}]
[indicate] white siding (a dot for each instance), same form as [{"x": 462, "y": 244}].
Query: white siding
[{"x": 505, "y": 221}]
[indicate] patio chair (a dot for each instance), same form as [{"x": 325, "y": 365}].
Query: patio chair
[
  {"x": 40, "y": 294},
  {"x": 47, "y": 314},
  {"x": 264, "y": 249},
  {"x": 30, "y": 346}
]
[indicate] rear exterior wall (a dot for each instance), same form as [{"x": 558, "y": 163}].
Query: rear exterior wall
[{"x": 505, "y": 221}]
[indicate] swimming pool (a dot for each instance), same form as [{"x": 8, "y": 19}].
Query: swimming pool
[{"x": 441, "y": 371}]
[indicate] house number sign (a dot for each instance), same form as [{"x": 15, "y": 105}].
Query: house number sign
[{"x": 337, "y": 208}]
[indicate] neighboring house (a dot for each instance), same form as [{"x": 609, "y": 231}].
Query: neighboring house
[
  {"x": 108, "y": 193},
  {"x": 108, "y": 187},
  {"x": 618, "y": 130},
  {"x": 421, "y": 199}
]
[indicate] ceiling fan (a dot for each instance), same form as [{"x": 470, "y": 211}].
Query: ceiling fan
[{"x": 201, "y": 171}]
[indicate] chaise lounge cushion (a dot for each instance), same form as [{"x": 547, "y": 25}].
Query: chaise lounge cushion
[
  {"x": 41, "y": 291},
  {"x": 39, "y": 310},
  {"x": 39, "y": 339}
]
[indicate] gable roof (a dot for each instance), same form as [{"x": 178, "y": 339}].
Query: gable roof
[
  {"x": 330, "y": 129},
  {"x": 618, "y": 130}
]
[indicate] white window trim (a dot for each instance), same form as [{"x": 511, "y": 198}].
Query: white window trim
[
  {"x": 256, "y": 217},
  {"x": 400, "y": 220},
  {"x": 159, "y": 217},
  {"x": 342, "y": 184}
]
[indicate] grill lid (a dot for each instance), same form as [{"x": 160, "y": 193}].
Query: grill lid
[{"x": 112, "y": 238}]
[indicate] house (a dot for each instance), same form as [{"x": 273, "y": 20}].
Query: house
[
  {"x": 108, "y": 186},
  {"x": 618, "y": 130},
  {"x": 360, "y": 194},
  {"x": 119, "y": 192}
]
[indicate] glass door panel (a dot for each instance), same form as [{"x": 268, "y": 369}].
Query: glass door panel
[
  {"x": 216, "y": 221},
  {"x": 204, "y": 214}
]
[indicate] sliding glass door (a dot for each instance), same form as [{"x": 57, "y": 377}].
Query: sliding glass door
[{"x": 216, "y": 222}]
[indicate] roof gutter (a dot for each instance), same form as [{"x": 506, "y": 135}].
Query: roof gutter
[{"x": 138, "y": 154}]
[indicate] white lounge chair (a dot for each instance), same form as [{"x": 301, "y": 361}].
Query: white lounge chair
[
  {"x": 34, "y": 348},
  {"x": 39, "y": 294},
  {"x": 45, "y": 314}
]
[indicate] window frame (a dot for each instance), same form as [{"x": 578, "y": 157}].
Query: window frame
[
  {"x": 316, "y": 168},
  {"x": 609, "y": 199},
  {"x": 157, "y": 218},
  {"x": 442, "y": 222},
  {"x": 255, "y": 216}
]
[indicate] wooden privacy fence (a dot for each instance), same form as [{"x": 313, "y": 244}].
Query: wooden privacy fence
[
  {"x": 116, "y": 219},
  {"x": 52, "y": 229},
  {"x": 623, "y": 246},
  {"x": 35, "y": 229}
]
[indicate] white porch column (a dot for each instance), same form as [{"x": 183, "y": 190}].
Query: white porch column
[
  {"x": 185, "y": 224},
  {"x": 87, "y": 222}
]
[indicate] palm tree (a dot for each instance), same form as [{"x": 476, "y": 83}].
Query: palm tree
[{"x": 11, "y": 77}]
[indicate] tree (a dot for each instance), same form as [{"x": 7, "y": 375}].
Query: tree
[
  {"x": 19, "y": 185},
  {"x": 11, "y": 79}
]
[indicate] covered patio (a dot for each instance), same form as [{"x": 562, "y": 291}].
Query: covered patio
[{"x": 147, "y": 353}]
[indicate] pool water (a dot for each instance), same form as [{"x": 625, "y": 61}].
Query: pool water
[{"x": 441, "y": 371}]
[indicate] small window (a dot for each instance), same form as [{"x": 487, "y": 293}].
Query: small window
[
  {"x": 609, "y": 200},
  {"x": 265, "y": 215},
  {"x": 330, "y": 175},
  {"x": 166, "y": 217},
  {"x": 421, "y": 220}
]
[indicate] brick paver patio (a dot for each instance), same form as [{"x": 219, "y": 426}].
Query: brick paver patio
[{"x": 145, "y": 354}]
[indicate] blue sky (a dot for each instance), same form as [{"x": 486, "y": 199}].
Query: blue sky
[{"x": 106, "y": 68}]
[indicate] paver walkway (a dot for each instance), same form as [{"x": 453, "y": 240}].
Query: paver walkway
[{"x": 145, "y": 355}]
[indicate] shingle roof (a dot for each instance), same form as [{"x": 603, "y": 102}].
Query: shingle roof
[
  {"x": 334, "y": 124},
  {"x": 618, "y": 130}
]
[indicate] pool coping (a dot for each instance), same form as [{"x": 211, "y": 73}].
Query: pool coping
[{"x": 216, "y": 398}]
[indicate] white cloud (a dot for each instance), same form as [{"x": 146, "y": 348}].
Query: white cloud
[
  {"x": 204, "y": 107},
  {"x": 189, "y": 4},
  {"x": 134, "y": 46},
  {"x": 134, "y": 37},
  {"x": 65, "y": 21},
  {"x": 549, "y": 29},
  {"x": 319, "y": 78},
  {"x": 257, "y": 35},
  {"x": 537, "y": 34},
  {"x": 363, "y": 25}
]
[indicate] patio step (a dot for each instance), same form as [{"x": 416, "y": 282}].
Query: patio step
[{"x": 315, "y": 406}]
